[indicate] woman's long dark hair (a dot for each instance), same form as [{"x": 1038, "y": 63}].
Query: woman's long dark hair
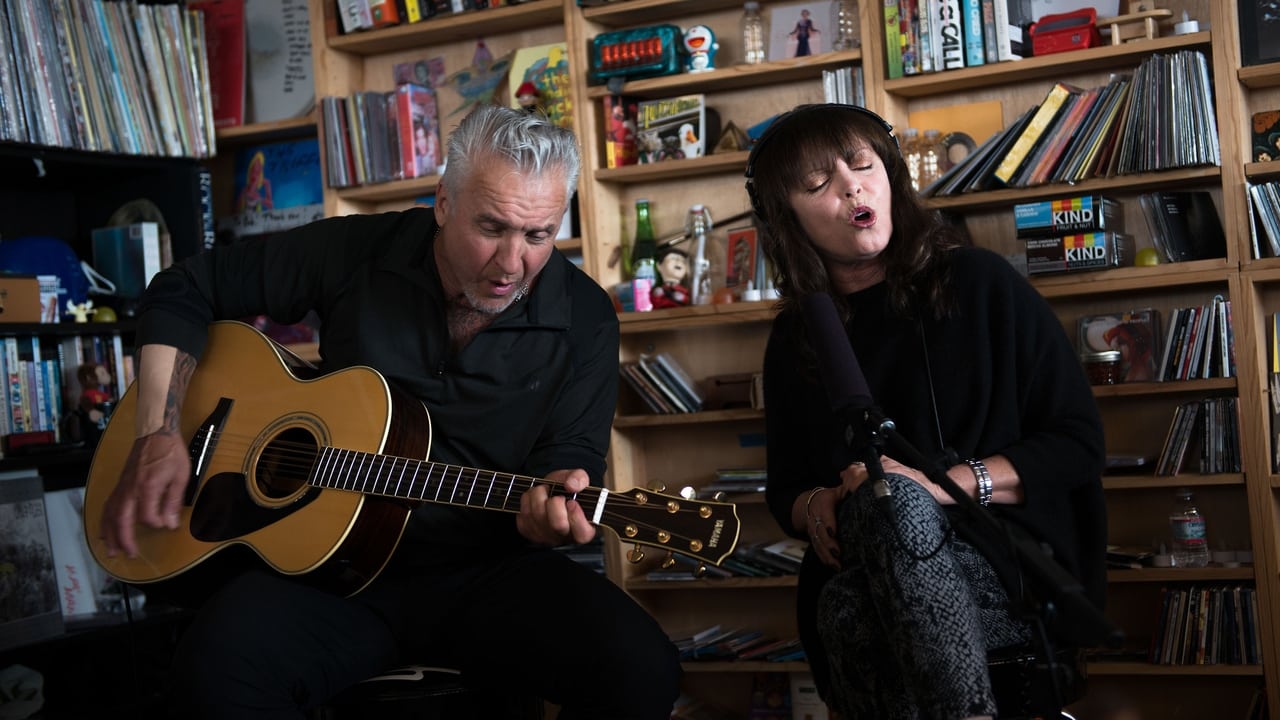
[{"x": 812, "y": 137}]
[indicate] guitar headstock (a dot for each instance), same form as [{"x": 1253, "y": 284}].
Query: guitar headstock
[{"x": 701, "y": 529}]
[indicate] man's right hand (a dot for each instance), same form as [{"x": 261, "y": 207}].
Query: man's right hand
[{"x": 149, "y": 492}]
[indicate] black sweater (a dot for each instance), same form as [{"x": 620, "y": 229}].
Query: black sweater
[{"x": 1006, "y": 381}]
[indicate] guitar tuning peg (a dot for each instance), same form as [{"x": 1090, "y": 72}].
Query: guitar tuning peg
[
  {"x": 669, "y": 561},
  {"x": 657, "y": 486},
  {"x": 719, "y": 496},
  {"x": 700, "y": 570},
  {"x": 635, "y": 555},
  {"x": 688, "y": 492}
]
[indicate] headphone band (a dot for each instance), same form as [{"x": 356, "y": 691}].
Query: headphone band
[{"x": 770, "y": 131}]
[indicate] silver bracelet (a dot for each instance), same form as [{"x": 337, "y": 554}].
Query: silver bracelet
[{"x": 984, "y": 480}]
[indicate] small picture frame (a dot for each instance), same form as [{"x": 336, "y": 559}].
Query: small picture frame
[
  {"x": 1135, "y": 333},
  {"x": 1266, "y": 136},
  {"x": 1259, "y": 31},
  {"x": 741, "y": 249},
  {"x": 798, "y": 29}
]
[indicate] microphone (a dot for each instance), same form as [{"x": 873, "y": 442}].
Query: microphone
[{"x": 848, "y": 392}]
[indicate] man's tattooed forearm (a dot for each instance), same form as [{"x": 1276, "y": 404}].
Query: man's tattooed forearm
[{"x": 183, "y": 367}]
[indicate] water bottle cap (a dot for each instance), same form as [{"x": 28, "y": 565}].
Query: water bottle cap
[{"x": 751, "y": 5}]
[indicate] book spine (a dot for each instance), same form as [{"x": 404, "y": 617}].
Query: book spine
[
  {"x": 909, "y": 27},
  {"x": 989, "y": 42},
  {"x": 1004, "y": 49},
  {"x": 13, "y": 373},
  {"x": 951, "y": 29},
  {"x": 121, "y": 375},
  {"x": 924, "y": 35},
  {"x": 1031, "y": 135},
  {"x": 974, "y": 52},
  {"x": 204, "y": 181},
  {"x": 72, "y": 563},
  {"x": 53, "y": 396},
  {"x": 892, "y": 39}
]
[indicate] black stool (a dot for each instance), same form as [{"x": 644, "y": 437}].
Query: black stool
[{"x": 417, "y": 692}]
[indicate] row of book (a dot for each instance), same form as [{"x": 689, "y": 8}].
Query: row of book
[
  {"x": 62, "y": 587},
  {"x": 844, "y": 86},
  {"x": 42, "y": 383},
  {"x": 1264, "y": 204},
  {"x": 662, "y": 383},
  {"x": 771, "y": 558},
  {"x": 369, "y": 14},
  {"x": 1184, "y": 225},
  {"x": 923, "y": 36},
  {"x": 1273, "y": 384},
  {"x": 1207, "y": 625},
  {"x": 375, "y": 137},
  {"x": 1159, "y": 118},
  {"x": 719, "y": 643},
  {"x": 735, "y": 481},
  {"x": 1213, "y": 426},
  {"x": 121, "y": 77},
  {"x": 1199, "y": 343}
]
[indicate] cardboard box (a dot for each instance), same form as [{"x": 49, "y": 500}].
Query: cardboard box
[
  {"x": 19, "y": 299},
  {"x": 1088, "y": 251},
  {"x": 1056, "y": 218}
]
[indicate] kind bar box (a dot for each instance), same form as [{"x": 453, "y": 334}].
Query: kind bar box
[
  {"x": 1056, "y": 218},
  {"x": 1087, "y": 251}
]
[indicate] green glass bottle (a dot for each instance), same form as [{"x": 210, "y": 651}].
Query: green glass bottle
[{"x": 643, "y": 259}]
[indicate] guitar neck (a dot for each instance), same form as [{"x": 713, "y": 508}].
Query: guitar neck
[{"x": 425, "y": 481}]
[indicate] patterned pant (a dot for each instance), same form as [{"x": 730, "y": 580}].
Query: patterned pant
[{"x": 906, "y": 628}]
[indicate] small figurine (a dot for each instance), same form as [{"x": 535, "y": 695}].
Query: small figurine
[
  {"x": 80, "y": 311},
  {"x": 700, "y": 48},
  {"x": 95, "y": 398},
  {"x": 528, "y": 96},
  {"x": 673, "y": 267}
]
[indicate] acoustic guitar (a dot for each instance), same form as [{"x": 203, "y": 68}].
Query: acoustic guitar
[{"x": 317, "y": 474}]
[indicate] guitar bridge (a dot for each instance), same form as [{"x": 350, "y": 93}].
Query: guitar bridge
[{"x": 202, "y": 446}]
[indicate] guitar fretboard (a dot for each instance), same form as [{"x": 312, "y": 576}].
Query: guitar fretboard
[{"x": 393, "y": 476}]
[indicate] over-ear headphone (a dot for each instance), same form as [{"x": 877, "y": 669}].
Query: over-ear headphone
[{"x": 770, "y": 131}]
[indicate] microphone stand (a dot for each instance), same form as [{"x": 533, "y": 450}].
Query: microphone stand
[{"x": 1051, "y": 598}]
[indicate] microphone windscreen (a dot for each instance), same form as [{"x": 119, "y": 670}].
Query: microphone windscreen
[{"x": 838, "y": 367}]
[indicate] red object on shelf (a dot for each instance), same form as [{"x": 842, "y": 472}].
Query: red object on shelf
[
  {"x": 15, "y": 442},
  {"x": 1075, "y": 30}
]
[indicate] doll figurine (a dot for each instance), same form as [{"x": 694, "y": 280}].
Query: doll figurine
[
  {"x": 95, "y": 398},
  {"x": 700, "y": 48},
  {"x": 528, "y": 97},
  {"x": 673, "y": 266}
]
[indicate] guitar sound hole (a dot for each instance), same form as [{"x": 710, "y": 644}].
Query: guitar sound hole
[{"x": 285, "y": 464}]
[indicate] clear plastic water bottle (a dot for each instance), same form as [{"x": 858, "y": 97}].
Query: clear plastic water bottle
[
  {"x": 847, "y": 28},
  {"x": 1190, "y": 541},
  {"x": 752, "y": 34}
]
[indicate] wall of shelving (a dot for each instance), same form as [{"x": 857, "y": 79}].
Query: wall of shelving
[{"x": 1244, "y": 508}]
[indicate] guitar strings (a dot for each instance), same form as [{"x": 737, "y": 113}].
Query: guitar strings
[{"x": 303, "y": 458}]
